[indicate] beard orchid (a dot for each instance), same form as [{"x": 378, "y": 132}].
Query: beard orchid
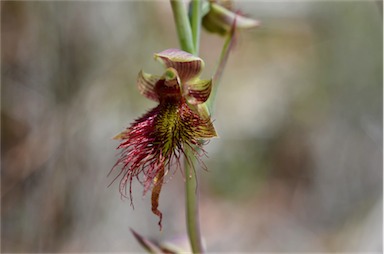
[{"x": 155, "y": 142}]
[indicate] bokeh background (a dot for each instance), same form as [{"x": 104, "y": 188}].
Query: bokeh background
[{"x": 297, "y": 167}]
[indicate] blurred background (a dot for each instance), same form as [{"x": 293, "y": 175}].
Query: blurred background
[{"x": 297, "y": 167}]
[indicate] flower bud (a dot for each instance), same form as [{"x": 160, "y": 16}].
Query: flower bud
[{"x": 220, "y": 20}]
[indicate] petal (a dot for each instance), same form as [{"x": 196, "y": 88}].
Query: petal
[
  {"x": 201, "y": 125},
  {"x": 146, "y": 84},
  {"x": 199, "y": 91},
  {"x": 207, "y": 130},
  {"x": 187, "y": 65},
  {"x": 210, "y": 131},
  {"x": 158, "y": 183},
  {"x": 203, "y": 110}
]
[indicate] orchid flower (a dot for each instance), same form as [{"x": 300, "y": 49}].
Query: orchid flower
[{"x": 155, "y": 142}]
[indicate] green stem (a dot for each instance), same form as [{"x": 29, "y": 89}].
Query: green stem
[
  {"x": 192, "y": 203},
  {"x": 196, "y": 23},
  {"x": 183, "y": 26},
  {"x": 190, "y": 42},
  {"x": 219, "y": 69}
]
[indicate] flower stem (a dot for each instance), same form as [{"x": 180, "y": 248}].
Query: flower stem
[
  {"x": 183, "y": 26},
  {"x": 196, "y": 24},
  {"x": 192, "y": 203},
  {"x": 228, "y": 44},
  {"x": 189, "y": 41}
]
